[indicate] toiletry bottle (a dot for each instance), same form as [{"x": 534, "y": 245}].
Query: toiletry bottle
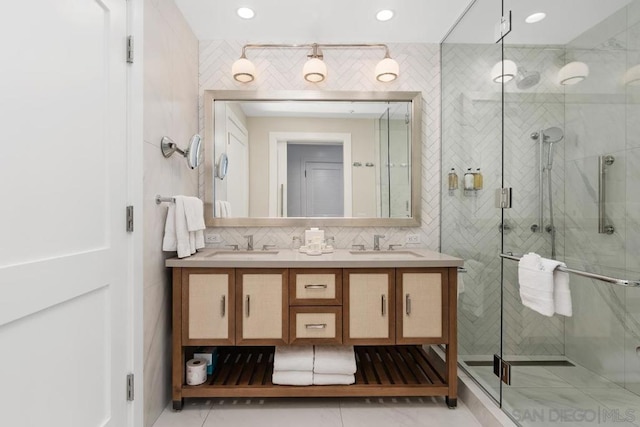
[
  {"x": 469, "y": 180},
  {"x": 453, "y": 180},
  {"x": 477, "y": 180}
]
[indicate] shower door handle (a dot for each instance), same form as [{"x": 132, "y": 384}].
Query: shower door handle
[{"x": 603, "y": 162}]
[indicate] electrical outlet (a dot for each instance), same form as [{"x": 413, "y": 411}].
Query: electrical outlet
[
  {"x": 212, "y": 238},
  {"x": 412, "y": 238}
]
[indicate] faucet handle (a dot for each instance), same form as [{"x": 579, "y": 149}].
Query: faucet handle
[
  {"x": 233, "y": 247},
  {"x": 394, "y": 245},
  {"x": 267, "y": 247}
]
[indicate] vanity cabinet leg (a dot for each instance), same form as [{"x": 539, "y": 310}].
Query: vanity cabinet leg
[
  {"x": 177, "y": 405},
  {"x": 452, "y": 402}
]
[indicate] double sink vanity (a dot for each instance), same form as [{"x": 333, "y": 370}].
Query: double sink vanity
[{"x": 387, "y": 304}]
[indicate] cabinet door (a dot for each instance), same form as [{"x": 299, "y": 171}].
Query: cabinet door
[
  {"x": 208, "y": 306},
  {"x": 422, "y": 310},
  {"x": 262, "y": 307},
  {"x": 369, "y": 307}
]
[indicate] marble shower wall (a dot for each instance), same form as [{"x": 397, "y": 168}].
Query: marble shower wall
[
  {"x": 170, "y": 109},
  {"x": 470, "y": 222},
  {"x": 280, "y": 69},
  {"x": 603, "y": 118}
]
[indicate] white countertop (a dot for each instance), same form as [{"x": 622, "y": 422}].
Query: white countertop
[{"x": 340, "y": 258}]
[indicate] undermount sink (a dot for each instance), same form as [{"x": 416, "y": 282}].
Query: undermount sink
[
  {"x": 388, "y": 254},
  {"x": 235, "y": 254}
]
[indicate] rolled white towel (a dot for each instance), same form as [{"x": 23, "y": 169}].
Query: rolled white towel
[
  {"x": 333, "y": 379},
  {"x": 334, "y": 359},
  {"x": 292, "y": 377},
  {"x": 293, "y": 358}
]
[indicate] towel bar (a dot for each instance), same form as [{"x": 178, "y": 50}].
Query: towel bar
[
  {"x": 160, "y": 199},
  {"x": 613, "y": 280}
]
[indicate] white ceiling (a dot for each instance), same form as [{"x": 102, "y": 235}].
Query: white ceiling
[
  {"x": 324, "y": 21},
  {"x": 419, "y": 21}
]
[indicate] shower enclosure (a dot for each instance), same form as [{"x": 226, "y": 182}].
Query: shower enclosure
[{"x": 549, "y": 110}]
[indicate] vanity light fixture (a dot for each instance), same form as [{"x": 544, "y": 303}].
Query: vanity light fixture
[
  {"x": 315, "y": 69},
  {"x": 504, "y": 71},
  {"x": 572, "y": 73},
  {"x": 384, "y": 15},
  {"x": 245, "y": 13},
  {"x": 535, "y": 17}
]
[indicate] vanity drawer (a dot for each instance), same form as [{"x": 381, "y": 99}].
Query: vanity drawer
[
  {"x": 315, "y": 325},
  {"x": 315, "y": 286}
]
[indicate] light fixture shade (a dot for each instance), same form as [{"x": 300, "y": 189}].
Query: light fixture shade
[
  {"x": 510, "y": 70},
  {"x": 243, "y": 70},
  {"x": 572, "y": 73},
  {"x": 314, "y": 70},
  {"x": 387, "y": 70},
  {"x": 632, "y": 76}
]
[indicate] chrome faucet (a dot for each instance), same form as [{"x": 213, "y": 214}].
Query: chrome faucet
[
  {"x": 249, "y": 238},
  {"x": 376, "y": 241}
]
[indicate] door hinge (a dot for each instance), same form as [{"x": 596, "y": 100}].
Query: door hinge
[
  {"x": 130, "y": 219},
  {"x": 503, "y": 27},
  {"x": 130, "y": 394},
  {"x": 502, "y": 369},
  {"x": 504, "y": 198},
  {"x": 130, "y": 49}
]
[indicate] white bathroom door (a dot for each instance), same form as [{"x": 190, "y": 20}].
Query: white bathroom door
[{"x": 65, "y": 279}]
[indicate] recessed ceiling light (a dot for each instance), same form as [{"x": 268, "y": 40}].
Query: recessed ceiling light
[
  {"x": 384, "y": 15},
  {"x": 246, "y": 13},
  {"x": 535, "y": 17}
]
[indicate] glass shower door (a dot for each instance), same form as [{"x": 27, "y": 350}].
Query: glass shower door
[{"x": 472, "y": 140}]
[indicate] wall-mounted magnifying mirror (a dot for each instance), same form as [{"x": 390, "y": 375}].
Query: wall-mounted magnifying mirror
[
  {"x": 193, "y": 153},
  {"x": 223, "y": 166}
]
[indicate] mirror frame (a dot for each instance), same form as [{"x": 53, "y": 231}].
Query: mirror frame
[{"x": 313, "y": 95}]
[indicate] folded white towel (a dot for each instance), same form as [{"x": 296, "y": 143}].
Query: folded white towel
[
  {"x": 293, "y": 358},
  {"x": 184, "y": 226},
  {"x": 194, "y": 214},
  {"x": 169, "y": 242},
  {"x": 334, "y": 359},
  {"x": 227, "y": 209},
  {"x": 561, "y": 291},
  {"x": 292, "y": 377},
  {"x": 536, "y": 284},
  {"x": 329, "y": 379}
]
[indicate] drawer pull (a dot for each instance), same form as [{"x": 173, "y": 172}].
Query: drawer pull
[
  {"x": 248, "y": 305},
  {"x": 318, "y": 286},
  {"x": 223, "y": 306},
  {"x": 383, "y": 300},
  {"x": 407, "y": 303},
  {"x": 315, "y": 325}
]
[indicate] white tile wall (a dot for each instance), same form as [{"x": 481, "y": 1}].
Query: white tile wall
[
  {"x": 171, "y": 109},
  {"x": 348, "y": 70}
]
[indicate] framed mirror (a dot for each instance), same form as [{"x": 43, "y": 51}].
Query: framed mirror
[{"x": 321, "y": 158}]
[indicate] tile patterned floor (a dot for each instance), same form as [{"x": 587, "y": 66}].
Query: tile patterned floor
[
  {"x": 562, "y": 396},
  {"x": 316, "y": 412}
]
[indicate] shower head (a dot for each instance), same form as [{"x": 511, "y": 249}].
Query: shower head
[
  {"x": 553, "y": 134},
  {"x": 527, "y": 79}
]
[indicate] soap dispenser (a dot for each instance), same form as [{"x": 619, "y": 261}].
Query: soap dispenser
[
  {"x": 477, "y": 180},
  {"x": 469, "y": 180},
  {"x": 453, "y": 181}
]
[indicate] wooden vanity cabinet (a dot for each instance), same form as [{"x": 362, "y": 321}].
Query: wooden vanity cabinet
[
  {"x": 262, "y": 307},
  {"x": 208, "y": 308},
  {"x": 369, "y": 306},
  {"x": 386, "y": 313}
]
